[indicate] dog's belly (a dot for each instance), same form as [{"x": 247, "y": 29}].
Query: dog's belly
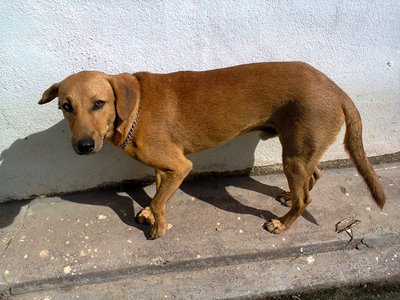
[{"x": 215, "y": 134}]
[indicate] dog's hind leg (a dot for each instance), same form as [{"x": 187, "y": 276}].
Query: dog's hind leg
[
  {"x": 286, "y": 198},
  {"x": 302, "y": 148},
  {"x": 298, "y": 173}
]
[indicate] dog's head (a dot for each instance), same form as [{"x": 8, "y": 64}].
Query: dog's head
[{"x": 93, "y": 105}]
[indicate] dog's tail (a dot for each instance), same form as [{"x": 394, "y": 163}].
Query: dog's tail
[{"x": 354, "y": 146}]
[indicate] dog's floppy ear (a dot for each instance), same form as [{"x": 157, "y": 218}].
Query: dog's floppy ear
[
  {"x": 50, "y": 94},
  {"x": 126, "y": 89}
]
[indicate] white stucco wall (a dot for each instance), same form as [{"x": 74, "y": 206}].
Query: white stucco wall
[{"x": 356, "y": 43}]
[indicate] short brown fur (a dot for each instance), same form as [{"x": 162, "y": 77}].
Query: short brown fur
[{"x": 185, "y": 112}]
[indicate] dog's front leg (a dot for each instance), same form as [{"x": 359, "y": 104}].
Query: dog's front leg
[
  {"x": 145, "y": 215},
  {"x": 168, "y": 181}
]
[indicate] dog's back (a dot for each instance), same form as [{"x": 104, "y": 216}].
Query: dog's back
[{"x": 260, "y": 96}]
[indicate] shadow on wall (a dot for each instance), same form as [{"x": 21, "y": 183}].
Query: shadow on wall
[
  {"x": 45, "y": 163},
  {"x": 237, "y": 154}
]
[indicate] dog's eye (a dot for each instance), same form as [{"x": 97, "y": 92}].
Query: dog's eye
[
  {"x": 99, "y": 104},
  {"x": 67, "y": 107}
]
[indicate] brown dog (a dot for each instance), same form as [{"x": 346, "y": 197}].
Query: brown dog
[{"x": 159, "y": 118}]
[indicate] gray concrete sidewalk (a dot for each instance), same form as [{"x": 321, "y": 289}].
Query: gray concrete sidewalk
[{"x": 88, "y": 246}]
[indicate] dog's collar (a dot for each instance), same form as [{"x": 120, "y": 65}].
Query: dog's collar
[{"x": 131, "y": 130}]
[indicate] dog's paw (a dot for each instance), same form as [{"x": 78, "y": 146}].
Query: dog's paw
[
  {"x": 157, "y": 231},
  {"x": 285, "y": 199},
  {"x": 274, "y": 226},
  {"x": 145, "y": 216}
]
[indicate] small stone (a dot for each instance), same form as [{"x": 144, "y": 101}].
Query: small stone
[
  {"x": 6, "y": 272},
  {"x": 101, "y": 217},
  {"x": 342, "y": 189},
  {"x": 368, "y": 208},
  {"x": 67, "y": 270},
  {"x": 129, "y": 241},
  {"x": 240, "y": 231},
  {"x": 198, "y": 256},
  {"x": 44, "y": 253},
  {"x": 238, "y": 218},
  {"x": 169, "y": 226},
  {"x": 301, "y": 250},
  {"x": 310, "y": 259}
]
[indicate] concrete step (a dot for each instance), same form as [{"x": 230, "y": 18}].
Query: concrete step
[{"x": 88, "y": 245}]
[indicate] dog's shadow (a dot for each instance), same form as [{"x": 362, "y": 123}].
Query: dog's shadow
[
  {"x": 127, "y": 204},
  {"x": 215, "y": 192},
  {"x": 212, "y": 191},
  {"x": 124, "y": 205}
]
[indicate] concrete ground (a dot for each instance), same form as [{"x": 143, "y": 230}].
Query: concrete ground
[{"x": 88, "y": 246}]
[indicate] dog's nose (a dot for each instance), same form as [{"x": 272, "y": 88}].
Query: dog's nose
[{"x": 85, "y": 146}]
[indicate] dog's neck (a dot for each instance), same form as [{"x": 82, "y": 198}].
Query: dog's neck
[
  {"x": 123, "y": 130},
  {"x": 130, "y": 132}
]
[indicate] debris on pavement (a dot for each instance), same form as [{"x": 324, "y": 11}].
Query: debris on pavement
[
  {"x": 101, "y": 217},
  {"x": 158, "y": 261},
  {"x": 310, "y": 259},
  {"x": 346, "y": 225}
]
